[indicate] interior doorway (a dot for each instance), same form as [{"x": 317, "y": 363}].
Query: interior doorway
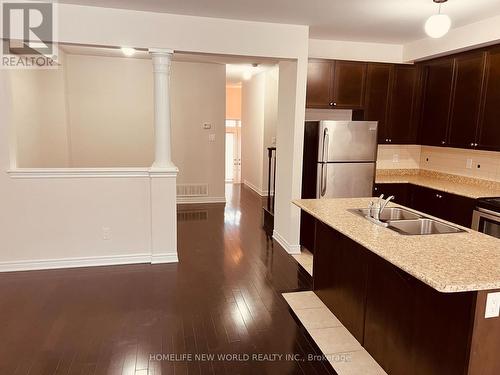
[{"x": 233, "y": 151}]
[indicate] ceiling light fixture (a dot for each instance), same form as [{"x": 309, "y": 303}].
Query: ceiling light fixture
[
  {"x": 439, "y": 24},
  {"x": 128, "y": 51}
]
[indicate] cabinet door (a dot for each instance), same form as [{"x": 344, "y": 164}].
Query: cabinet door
[
  {"x": 349, "y": 84},
  {"x": 340, "y": 272},
  {"x": 428, "y": 201},
  {"x": 319, "y": 84},
  {"x": 436, "y": 106},
  {"x": 401, "y": 192},
  {"x": 489, "y": 131},
  {"x": 469, "y": 72},
  {"x": 377, "y": 97},
  {"x": 389, "y": 319},
  {"x": 401, "y": 126}
]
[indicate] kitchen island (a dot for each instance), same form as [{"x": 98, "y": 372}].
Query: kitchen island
[{"x": 416, "y": 303}]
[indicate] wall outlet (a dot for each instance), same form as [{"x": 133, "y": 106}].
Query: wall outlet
[
  {"x": 395, "y": 158},
  {"x": 468, "y": 165},
  {"x": 492, "y": 305},
  {"x": 106, "y": 233},
  {"x": 211, "y": 137},
  {"x": 207, "y": 125}
]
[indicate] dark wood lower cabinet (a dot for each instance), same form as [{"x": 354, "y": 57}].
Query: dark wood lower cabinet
[
  {"x": 401, "y": 192},
  {"x": 390, "y": 311},
  {"x": 341, "y": 284},
  {"x": 307, "y": 231},
  {"x": 408, "y": 327}
]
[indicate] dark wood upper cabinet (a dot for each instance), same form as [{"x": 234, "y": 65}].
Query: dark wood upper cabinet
[
  {"x": 401, "y": 126},
  {"x": 319, "y": 83},
  {"x": 377, "y": 96},
  {"x": 349, "y": 84},
  {"x": 436, "y": 102},
  {"x": 468, "y": 83},
  {"x": 489, "y": 128},
  {"x": 335, "y": 84}
]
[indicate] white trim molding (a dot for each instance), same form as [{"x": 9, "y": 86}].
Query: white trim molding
[
  {"x": 78, "y": 172},
  {"x": 164, "y": 258},
  {"x": 46, "y": 264},
  {"x": 248, "y": 184},
  {"x": 289, "y": 248}
]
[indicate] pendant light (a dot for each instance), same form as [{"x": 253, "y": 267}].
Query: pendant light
[{"x": 438, "y": 24}]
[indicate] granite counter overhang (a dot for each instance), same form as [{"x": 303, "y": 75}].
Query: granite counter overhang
[{"x": 449, "y": 263}]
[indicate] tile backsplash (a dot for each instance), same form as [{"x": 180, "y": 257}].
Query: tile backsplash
[
  {"x": 398, "y": 157},
  {"x": 470, "y": 163}
]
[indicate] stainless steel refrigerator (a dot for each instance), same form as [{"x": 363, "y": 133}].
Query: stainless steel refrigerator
[{"x": 347, "y": 154}]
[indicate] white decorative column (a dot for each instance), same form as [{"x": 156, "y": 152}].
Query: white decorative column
[
  {"x": 163, "y": 173},
  {"x": 162, "y": 60}
]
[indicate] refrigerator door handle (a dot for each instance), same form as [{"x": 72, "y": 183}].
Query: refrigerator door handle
[
  {"x": 324, "y": 173},
  {"x": 324, "y": 165},
  {"x": 326, "y": 144}
]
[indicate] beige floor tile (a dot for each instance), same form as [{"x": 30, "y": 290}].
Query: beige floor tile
[
  {"x": 334, "y": 340},
  {"x": 317, "y": 318},
  {"x": 356, "y": 363},
  {"x": 303, "y": 300},
  {"x": 309, "y": 269}
]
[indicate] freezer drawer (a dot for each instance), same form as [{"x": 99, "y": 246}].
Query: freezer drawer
[{"x": 345, "y": 180}]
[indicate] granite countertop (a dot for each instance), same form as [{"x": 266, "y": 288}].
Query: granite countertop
[
  {"x": 456, "y": 262},
  {"x": 464, "y": 186}
]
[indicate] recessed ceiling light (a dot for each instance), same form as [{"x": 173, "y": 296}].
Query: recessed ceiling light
[
  {"x": 128, "y": 51},
  {"x": 439, "y": 24}
]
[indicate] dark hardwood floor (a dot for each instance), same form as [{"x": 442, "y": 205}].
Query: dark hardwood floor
[{"x": 223, "y": 297}]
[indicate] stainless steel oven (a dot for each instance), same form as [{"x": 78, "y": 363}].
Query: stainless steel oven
[{"x": 486, "y": 217}]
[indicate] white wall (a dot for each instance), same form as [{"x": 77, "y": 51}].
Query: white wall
[
  {"x": 258, "y": 127},
  {"x": 270, "y": 119},
  {"x": 110, "y": 107},
  {"x": 39, "y": 112},
  {"x": 198, "y": 95},
  {"x": 252, "y": 131},
  {"x": 356, "y": 51}
]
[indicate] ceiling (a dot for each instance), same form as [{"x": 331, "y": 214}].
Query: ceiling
[{"x": 384, "y": 21}]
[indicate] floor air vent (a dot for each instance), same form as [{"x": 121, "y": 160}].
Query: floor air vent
[
  {"x": 192, "y": 190},
  {"x": 192, "y": 215}
]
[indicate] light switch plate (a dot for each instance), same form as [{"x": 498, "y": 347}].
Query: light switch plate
[
  {"x": 468, "y": 165},
  {"x": 211, "y": 137},
  {"x": 395, "y": 158},
  {"x": 492, "y": 305}
]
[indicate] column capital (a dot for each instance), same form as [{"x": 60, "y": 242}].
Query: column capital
[{"x": 161, "y": 51}]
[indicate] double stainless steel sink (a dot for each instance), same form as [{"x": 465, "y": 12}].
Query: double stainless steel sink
[{"x": 407, "y": 222}]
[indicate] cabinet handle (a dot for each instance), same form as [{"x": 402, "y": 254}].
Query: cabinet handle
[
  {"x": 439, "y": 196},
  {"x": 472, "y": 144},
  {"x": 475, "y": 144},
  {"x": 334, "y": 104},
  {"x": 331, "y": 104},
  {"x": 390, "y": 140},
  {"x": 443, "y": 142}
]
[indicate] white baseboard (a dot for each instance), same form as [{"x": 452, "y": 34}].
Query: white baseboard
[
  {"x": 200, "y": 200},
  {"x": 112, "y": 260},
  {"x": 290, "y": 249},
  {"x": 164, "y": 258},
  {"x": 262, "y": 193},
  {"x": 45, "y": 264}
]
